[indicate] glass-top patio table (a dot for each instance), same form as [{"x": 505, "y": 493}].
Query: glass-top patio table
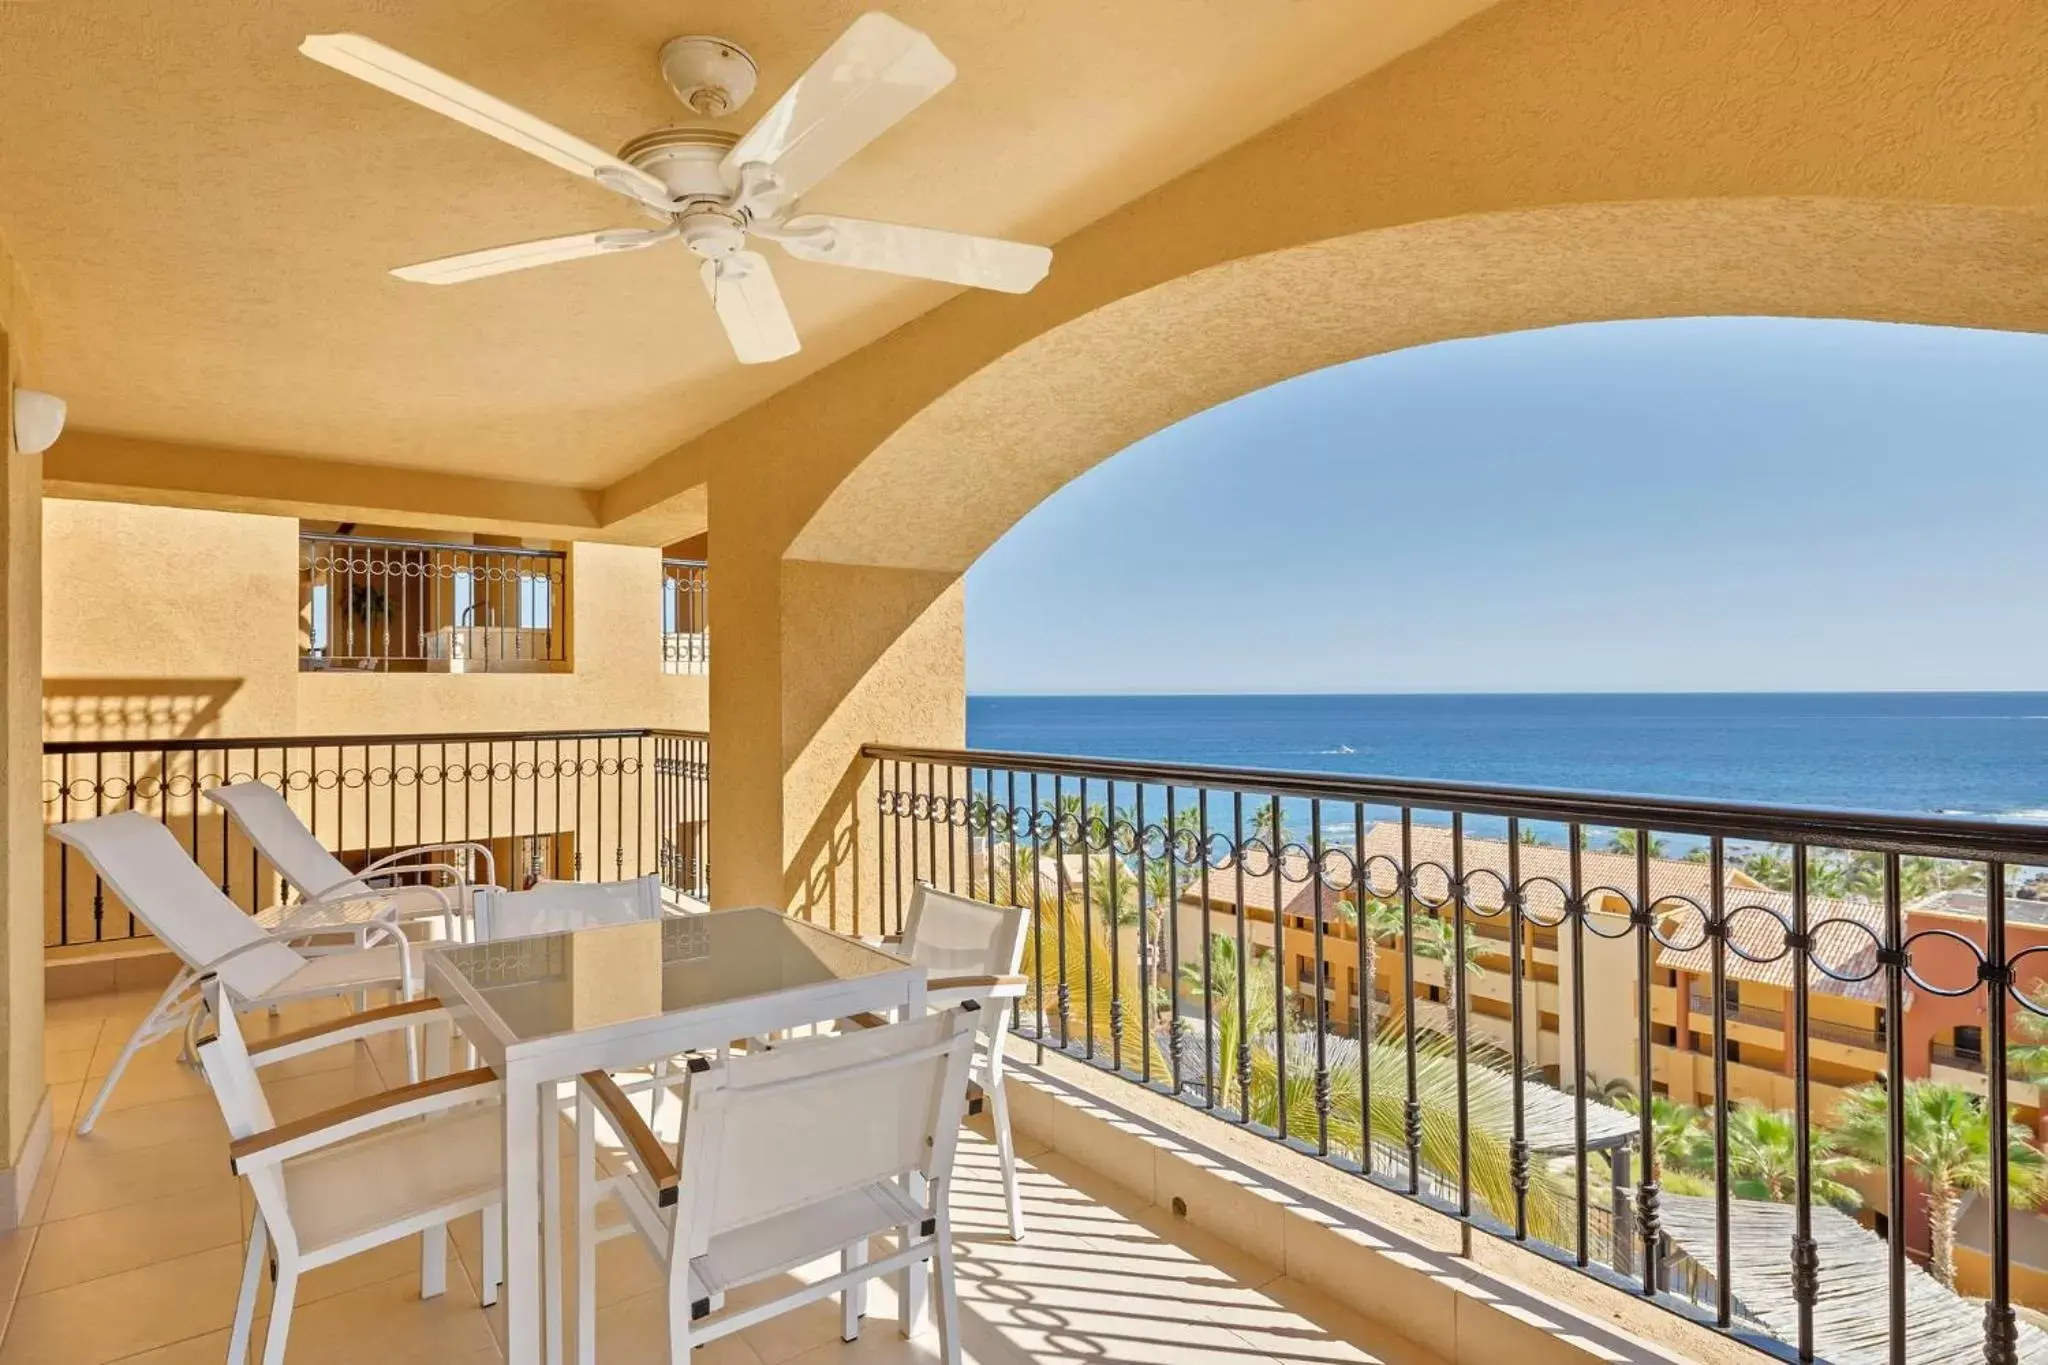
[{"x": 543, "y": 1010}]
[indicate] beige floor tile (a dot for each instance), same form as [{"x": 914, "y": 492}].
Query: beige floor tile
[
  {"x": 388, "y": 1323},
  {"x": 209, "y": 1349},
  {"x": 90, "y": 1179},
  {"x": 1293, "y": 1321},
  {"x": 15, "y": 1250},
  {"x": 636, "y": 1330},
  {"x": 195, "y": 1118},
  {"x": 155, "y": 1075},
  {"x": 72, "y": 1250},
  {"x": 70, "y": 1035},
  {"x": 121, "y": 1315},
  {"x": 59, "y": 1067}
]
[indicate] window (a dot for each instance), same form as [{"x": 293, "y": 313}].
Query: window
[
  {"x": 1970, "y": 1042},
  {"x": 1731, "y": 994},
  {"x": 536, "y": 599},
  {"x": 317, "y": 619}
]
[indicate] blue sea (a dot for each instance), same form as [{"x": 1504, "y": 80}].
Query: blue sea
[{"x": 1974, "y": 753}]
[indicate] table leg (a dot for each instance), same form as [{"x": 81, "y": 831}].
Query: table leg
[
  {"x": 916, "y": 1277},
  {"x": 522, "y": 1219},
  {"x": 426, "y": 1058},
  {"x": 551, "y": 1215}
]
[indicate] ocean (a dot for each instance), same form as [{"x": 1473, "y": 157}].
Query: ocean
[{"x": 1963, "y": 753}]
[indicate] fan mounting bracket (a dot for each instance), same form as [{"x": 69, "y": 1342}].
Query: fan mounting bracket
[{"x": 711, "y": 76}]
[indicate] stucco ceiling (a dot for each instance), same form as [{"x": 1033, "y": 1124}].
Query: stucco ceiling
[{"x": 204, "y": 218}]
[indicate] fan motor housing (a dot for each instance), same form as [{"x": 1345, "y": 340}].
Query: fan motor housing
[{"x": 684, "y": 159}]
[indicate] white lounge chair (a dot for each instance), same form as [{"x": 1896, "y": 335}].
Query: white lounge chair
[
  {"x": 338, "y": 1183},
  {"x": 555, "y": 907},
  {"x": 268, "y": 821},
  {"x": 972, "y": 950},
  {"x": 143, "y": 863},
  {"x": 784, "y": 1157}
]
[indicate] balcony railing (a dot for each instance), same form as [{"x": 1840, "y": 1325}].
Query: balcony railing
[
  {"x": 685, "y": 616},
  {"x": 423, "y": 606},
  {"x": 588, "y": 805},
  {"x": 1104, "y": 852}
]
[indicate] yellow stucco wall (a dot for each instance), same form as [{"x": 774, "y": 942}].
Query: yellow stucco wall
[
  {"x": 21, "y": 864},
  {"x": 172, "y": 622}
]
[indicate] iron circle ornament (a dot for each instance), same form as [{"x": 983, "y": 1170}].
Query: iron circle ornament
[
  {"x": 1965, "y": 950},
  {"x": 1668, "y": 911},
  {"x": 1735, "y": 915}
]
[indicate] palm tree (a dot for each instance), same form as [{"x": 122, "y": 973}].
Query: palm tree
[
  {"x": 1769, "y": 868},
  {"x": 1949, "y": 1138},
  {"x": 1381, "y": 922},
  {"x": 1264, "y": 825},
  {"x": 1763, "y": 1159},
  {"x": 1624, "y": 841},
  {"x": 2026, "y": 1048},
  {"x": 1679, "y": 1134},
  {"x": 1436, "y": 940},
  {"x": 1826, "y": 876}
]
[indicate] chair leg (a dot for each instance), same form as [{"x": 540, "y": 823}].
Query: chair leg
[
  {"x": 252, "y": 1284},
  {"x": 853, "y": 1300},
  {"x": 148, "y": 1031},
  {"x": 1006, "y": 1157},
  {"x": 947, "y": 1299},
  {"x": 434, "y": 1261},
  {"x": 679, "y": 1316},
  {"x": 586, "y": 1229},
  {"x": 494, "y": 1253},
  {"x": 551, "y": 1221},
  {"x": 281, "y": 1296}
]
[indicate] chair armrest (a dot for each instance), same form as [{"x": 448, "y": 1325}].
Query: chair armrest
[
  {"x": 344, "y": 1121},
  {"x": 978, "y": 987},
  {"x": 654, "y": 1159},
  {"x": 304, "y": 918},
  {"x": 298, "y": 1042},
  {"x": 400, "y": 859}
]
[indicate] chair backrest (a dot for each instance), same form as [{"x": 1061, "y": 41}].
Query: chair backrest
[
  {"x": 950, "y": 935},
  {"x": 774, "y": 1132},
  {"x": 552, "y": 907},
  {"x": 268, "y": 821},
  {"x": 232, "y": 1077},
  {"x": 146, "y": 866}
]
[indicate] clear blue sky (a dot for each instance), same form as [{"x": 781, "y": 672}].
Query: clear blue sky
[{"x": 1684, "y": 505}]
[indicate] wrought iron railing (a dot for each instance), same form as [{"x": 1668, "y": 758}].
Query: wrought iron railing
[
  {"x": 590, "y": 805},
  {"x": 1156, "y": 954},
  {"x": 685, "y": 616},
  {"x": 415, "y": 605}
]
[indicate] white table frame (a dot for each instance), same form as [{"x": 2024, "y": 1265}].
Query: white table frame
[{"x": 533, "y": 1070}]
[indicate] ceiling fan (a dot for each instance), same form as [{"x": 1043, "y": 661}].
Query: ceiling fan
[{"x": 712, "y": 190}]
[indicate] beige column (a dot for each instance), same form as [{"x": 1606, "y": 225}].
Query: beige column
[
  {"x": 24, "y": 1097},
  {"x": 813, "y": 661}
]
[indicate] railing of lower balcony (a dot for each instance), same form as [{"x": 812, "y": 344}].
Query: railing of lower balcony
[
  {"x": 685, "y": 616},
  {"x": 383, "y": 605},
  {"x": 589, "y": 805},
  {"x": 1156, "y": 953}
]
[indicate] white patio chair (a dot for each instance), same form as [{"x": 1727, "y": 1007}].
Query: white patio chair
[
  {"x": 341, "y": 1182},
  {"x": 554, "y": 907},
  {"x": 269, "y": 823},
  {"x": 145, "y": 865},
  {"x": 971, "y": 950},
  {"x": 783, "y": 1157}
]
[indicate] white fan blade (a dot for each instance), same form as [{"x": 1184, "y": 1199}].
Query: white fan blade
[
  {"x": 750, "y": 307},
  {"x": 498, "y": 260},
  {"x": 355, "y": 55},
  {"x": 877, "y": 72},
  {"x": 927, "y": 253}
]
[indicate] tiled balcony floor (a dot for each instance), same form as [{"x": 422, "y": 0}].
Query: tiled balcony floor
[{"x": 135, "y": 1233}]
